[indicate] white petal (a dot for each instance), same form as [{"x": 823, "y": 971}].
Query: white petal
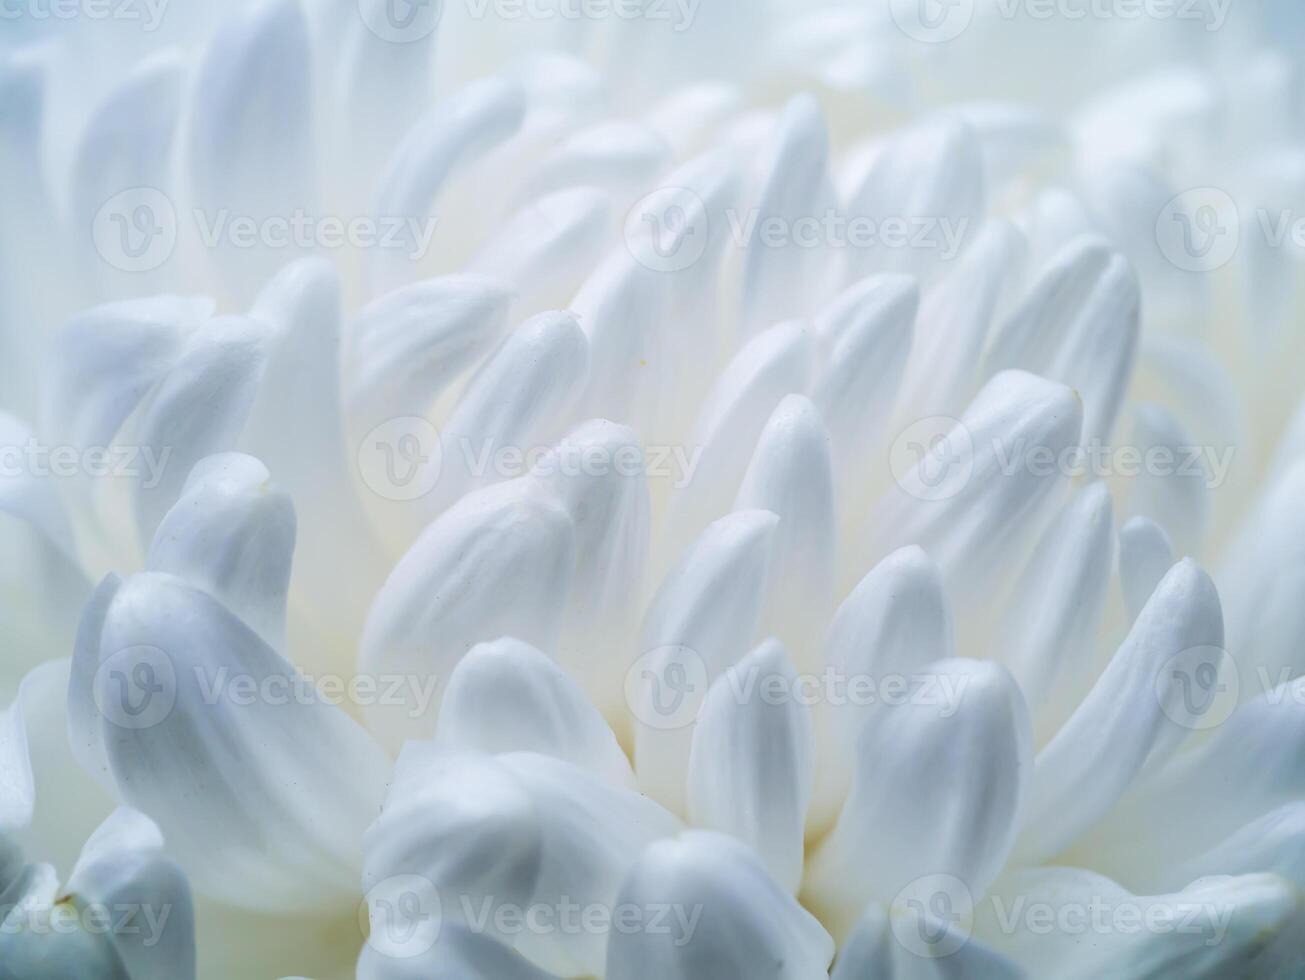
[
  {"x": 452, "y": 137},
  {"x": 776, "y": 363},
  {"x": 128, "y": 141},
  {"x": 618, "y": 156},
  {"x": 622, "y": 310},
  {"x": 791, "y": 475},
  {"x": 597, "y": 472},
  {"x": 1052, "y": 618},
  {"x": 978, "y": 495},
  {"x": 873, "y": 950},
  {"x": 459, "y": 837},
  {"x": 519, "y": 399},
  {"x": 546, "y": 249},
  {"x": 1145, "y": 554},
  {"x": 497, "y": 563},
  {"x": 593, "y": 833},
  {"x": 506, "y": 696},
  {"x": 405, "y": 348},
  {"x": 952, "y": 327},
  {"x": 1133, "y": 713},
  {"x": 701, "y": 621},
  {"x": 458, "y": 954},
  {"x": 251, "y": 133},
  {"x": 1171, "y": 487},
  {"x": 123, "y": 869},
  {"x": 746, "y": 924},
  {"x": 199, "y": 408},
  {"x": 785, "y": 282},
  {"x": 1273, "y": 843},
  {"x": 17, "y": 788},
  {"x": 750, "y": 768},
  {"x": 932, "y": 172},
  {"x": 262, "y": 789},
  {"x": 1222, "y": 928},
  {"x": 1260, "y": 580},
  {"x": 866, "y": 333},
  {"x": 942, "y": 775},
  {"x": 893, "y": 624},
  {"x": 233, "y": 536},
  {"x": 1078, "y": 324}
]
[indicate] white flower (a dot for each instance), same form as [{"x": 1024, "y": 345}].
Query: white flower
[{"x": 646, "y": 491}]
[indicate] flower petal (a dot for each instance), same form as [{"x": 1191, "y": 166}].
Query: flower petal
[
  {"x": 1145, "y": 554},
  {"x": 262, "y": 789},
  {"x": 506, "y": 696},
  {"x": 943, "y": 775},
  {"x": 731, "y": 918},
  {"x": 497, "y": 563},
  {"x": 751, "y": 766},
  {"x": 1131, "y": 715}
]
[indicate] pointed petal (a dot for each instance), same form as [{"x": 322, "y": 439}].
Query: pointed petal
[
  {"x": 1133, "y": 713},
  {"x": 1078, "y": 324},
  {"x": 701, "y": 621},
  {"x": 506, "y": 696},
  {"x": 747, "y": 925},
  {"x": 751, "y": 764},
  {"x": 498, "y": 563},
  {"x": 977, "y": 495},
  {"x": 593, "y": 832},
  {"x": 405, "y": 348},
  {"x": 866, "y": 333},
  {"x": 791, "y": 475},
  {"x": 519, "y": 399},
  {"x": 893, "y": 624},
  {"x": 1051, "y": 620},
  {"x": 785, "y": 282},
  {"x": 598, "y": 473},
  {"x": 232, "y": 536},
  {"x": 931, "y": 172},
  {"x": 943, "y": 780},
  {"x": 1145, "y": 554},
  {"x": 776, "y": 363}
]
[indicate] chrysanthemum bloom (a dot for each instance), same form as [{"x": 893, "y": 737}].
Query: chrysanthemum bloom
[{"x": 652, "y": 491}]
